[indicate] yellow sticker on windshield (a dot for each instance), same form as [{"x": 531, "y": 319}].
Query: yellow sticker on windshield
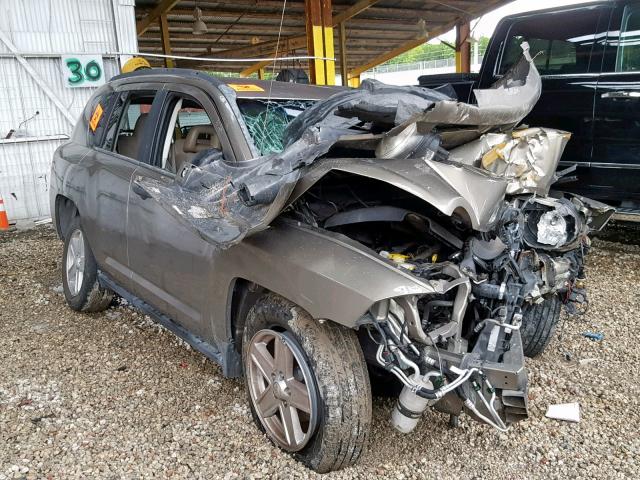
[
  {"x": 246, "y": 87},
  {"x": 95, "y": 118}
]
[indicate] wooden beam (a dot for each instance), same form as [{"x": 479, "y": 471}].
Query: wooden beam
[
  {"x": 166, "y": 41},
  {"x": 163, "y": 7},
  {"x": 344, "y": 71},
  {"x": 484, "y": 7},
  {"x": 463, "y": 47}
]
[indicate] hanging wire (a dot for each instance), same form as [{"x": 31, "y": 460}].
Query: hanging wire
[{"x": 273, "y": 68}]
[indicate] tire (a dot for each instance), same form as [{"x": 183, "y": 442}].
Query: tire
[
  {"x": 82, "y": 292},
  {"x": 338, "y": 373},
  {"x": 538, "y": 325}
]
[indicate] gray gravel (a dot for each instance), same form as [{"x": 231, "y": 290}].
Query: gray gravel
[{"x": 114, "y": 395}]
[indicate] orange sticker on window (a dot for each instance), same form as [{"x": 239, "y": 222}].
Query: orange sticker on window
[
  {"x": 246, "y": 87},
  {"x": 95, "y": 118}
]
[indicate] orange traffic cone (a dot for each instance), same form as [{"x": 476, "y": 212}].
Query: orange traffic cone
[{"x": 4, "y": 221}]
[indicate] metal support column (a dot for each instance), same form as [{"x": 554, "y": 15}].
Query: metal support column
[
  {"x": 463, "y": 47},
  {"x": 320, "y": 41},
  {"x": 166, "y": 41}
]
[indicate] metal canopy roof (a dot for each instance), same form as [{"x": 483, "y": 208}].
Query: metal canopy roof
[{"x": 249, "y": 28}]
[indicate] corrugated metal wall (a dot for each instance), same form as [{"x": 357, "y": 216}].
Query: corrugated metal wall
[{"x": 34, "y": 34}]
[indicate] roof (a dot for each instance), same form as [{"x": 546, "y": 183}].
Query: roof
[
  {"x": 250, "y": 28},
  {"x": 244, "y": 87}
]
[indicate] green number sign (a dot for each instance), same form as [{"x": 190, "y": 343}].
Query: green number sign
[{"x": 83, "y": 71}]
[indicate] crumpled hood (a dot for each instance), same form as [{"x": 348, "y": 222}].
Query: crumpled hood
[
  {"x": 447, "y": 186},
  {"x": 409, "y": 129}
]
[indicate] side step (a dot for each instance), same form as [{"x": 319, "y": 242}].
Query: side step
[{"x": 229, "y": 361}]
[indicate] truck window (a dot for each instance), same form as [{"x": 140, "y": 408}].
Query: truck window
[
  {"x": 562, "y": 42},
  {"x": 628, "y": 59}
]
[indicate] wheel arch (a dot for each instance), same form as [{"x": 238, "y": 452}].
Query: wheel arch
[{"x": 65, "y": 211}]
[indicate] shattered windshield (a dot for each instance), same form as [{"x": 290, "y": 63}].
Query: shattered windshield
[{"x": 267, "y": 120}]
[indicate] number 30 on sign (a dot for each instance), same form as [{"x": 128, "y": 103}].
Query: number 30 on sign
[{"x": 83, "y": 71}]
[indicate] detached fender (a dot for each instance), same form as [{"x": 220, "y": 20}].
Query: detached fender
[{"x": 327, "y": 274}]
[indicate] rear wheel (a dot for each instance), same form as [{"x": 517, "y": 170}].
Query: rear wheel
[
  {"x": 80, "y": 273},
  {"x": 307, "y": 383},
  {"x": 538, "y": 325}
]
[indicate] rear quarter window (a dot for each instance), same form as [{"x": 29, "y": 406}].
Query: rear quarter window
[{"x": 95, "y": 118}]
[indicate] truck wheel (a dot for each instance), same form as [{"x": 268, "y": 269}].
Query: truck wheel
[
  {"x": 80, "y": 273},
  {"x": 307, "y": 383},
  {"x": 538, "y": 325}
]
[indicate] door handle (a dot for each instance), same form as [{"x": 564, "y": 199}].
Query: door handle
[
  {"x": 621, "y": 94},
  {"x": 141, "y": 192}
]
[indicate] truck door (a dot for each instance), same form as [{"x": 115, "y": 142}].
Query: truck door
[
  {"x": 616, "y": 155},
  {"x": 171, "y": 264},
  {"x": 567, "y": 45}
]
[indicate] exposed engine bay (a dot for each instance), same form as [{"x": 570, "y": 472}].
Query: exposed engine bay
[
  {"x": 456, "y": 195},
  {"x": 460, "y": 346}
]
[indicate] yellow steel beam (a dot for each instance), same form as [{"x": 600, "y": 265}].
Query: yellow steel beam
[
  {"x": 256, "y": 67},
  {"x": 163, "y": 7},
  {"x": 166, "y": 41},
  {"x": 292, "y": 43},
  {"x": 315, "y": 40},
  {"x": 329, "y": 51}
]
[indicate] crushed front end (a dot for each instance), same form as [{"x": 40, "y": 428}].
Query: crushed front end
[{"x": 460, "y": 347}]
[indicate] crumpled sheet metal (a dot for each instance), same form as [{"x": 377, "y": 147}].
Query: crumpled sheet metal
[
  {"x": 224, "y": 202},
  {"x": 526, "y": 158},
  {"x": 506, "y": 103}
]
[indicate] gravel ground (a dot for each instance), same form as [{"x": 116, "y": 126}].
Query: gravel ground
[{"x": 114, "y": 395}]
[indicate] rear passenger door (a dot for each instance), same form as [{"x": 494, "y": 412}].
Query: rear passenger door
[
  {"x": 171, "y": 265},
  {"x": 111, "y": 164},
  {"x": 616, "y": 158},
  {"x": 567, "y": 46}
]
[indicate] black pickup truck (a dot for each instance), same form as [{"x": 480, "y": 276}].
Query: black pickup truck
[{"x": 589, "y": 58}]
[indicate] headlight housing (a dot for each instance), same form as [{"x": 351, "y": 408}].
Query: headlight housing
[{"x": 552, "y": 224}]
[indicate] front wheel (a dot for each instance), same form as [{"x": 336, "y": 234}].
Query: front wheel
[
  {"x": 80, "y": 273},
  {"x": 538, "y": 325},
  {"x": 307, "y": 383}
]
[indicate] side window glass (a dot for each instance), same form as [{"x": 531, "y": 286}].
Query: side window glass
[
  {"x": 191, "y": 137},
  {"x": 114, "y": 120},
  {"x": 125, "y": 129},
  {"x": 562, "y": 42},
  {"x": 96, "y": 115},
  {"x": 628, "y": 59}
]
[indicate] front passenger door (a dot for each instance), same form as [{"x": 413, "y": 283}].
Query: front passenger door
[{"x": 170, "y": 262}]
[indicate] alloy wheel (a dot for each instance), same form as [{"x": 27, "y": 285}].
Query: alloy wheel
[
  {"x": 282, "y": 388},
  {"x": 75, "y": 262}
]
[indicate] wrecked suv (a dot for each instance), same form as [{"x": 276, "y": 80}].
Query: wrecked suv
[{"x": 316, "y": 240}]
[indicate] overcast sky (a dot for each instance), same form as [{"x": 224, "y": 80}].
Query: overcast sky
[{"x": 486, "y": 25}]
